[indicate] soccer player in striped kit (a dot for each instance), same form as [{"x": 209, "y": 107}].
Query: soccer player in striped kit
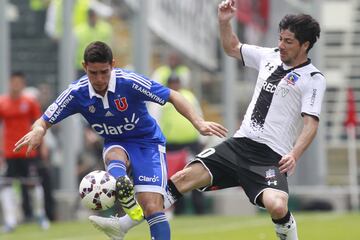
[
  {"x": 280, "y": 123},
  {"x": 113, "y": 101}
]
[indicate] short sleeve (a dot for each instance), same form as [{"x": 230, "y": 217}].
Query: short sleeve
[
  {"x": 61, "y": 108},
  {"x": 252, "y": 55},
  {"x": 149, "y": 90},
  {"x": 313, "y": 96}
]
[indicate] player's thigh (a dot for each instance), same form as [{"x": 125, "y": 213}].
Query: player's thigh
[
  {"x": 193, "y": 176},
  {"x": 217, "y": 166},
  {"x": 148, "y": 167},
  {"x": 256, "y": 179}
]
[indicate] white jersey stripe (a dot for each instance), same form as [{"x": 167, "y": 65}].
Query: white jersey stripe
[
  {"x": 133, "y": 76},
  {"x": 75, "y": 87},
  {"x": 144, "y": 82},
  {"x": 70, "y": 88}
]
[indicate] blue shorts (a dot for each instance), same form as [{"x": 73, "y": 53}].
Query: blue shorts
[{"x": 147, "y": 163}]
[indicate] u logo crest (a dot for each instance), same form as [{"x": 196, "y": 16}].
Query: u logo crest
[{"x": 121, "y": 104}]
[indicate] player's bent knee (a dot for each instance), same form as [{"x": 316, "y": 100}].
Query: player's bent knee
[{"x": 277, "y": 206}]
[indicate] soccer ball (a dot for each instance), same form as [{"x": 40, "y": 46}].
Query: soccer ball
[{"x": 97, "y": 190}]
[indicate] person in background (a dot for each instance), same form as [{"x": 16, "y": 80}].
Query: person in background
[
  {"x": 182, "y": 140},
  {"x": 95, "y": 29},
  {"x": 174, "y": 65},
  {"x": 17, "y": 113}
]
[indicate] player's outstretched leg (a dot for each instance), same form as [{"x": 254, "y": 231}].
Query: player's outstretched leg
[
  {"x": 287, "y": 230},
  {"x": 114, "y": 227},
  {"x": 125, "y": 192},
  {"x": 126, "y": 195}
]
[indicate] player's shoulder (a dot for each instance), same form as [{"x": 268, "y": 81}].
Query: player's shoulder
[
  {"x": 129, "y": 77},
  {"x": 312, "y": 73},
  {"x": 79, "y": 85}
]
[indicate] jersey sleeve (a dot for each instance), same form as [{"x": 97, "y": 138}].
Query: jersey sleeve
[
  {"x": 62, "y": 107},
  {"x": 149, "y": 90},
  {"x": 313, "y": 96},
  {"x": 252, "y": 55}
]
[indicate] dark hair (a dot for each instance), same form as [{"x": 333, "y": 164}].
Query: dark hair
[
  {"x": 303, "y": 26},
  {"x": 19, "y": 74},
  {"x": 173, "y": 78},
  {"x": 98, "y": 52}
]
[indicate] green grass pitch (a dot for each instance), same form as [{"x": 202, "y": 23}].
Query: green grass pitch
[{"x": 312, "y": 226}]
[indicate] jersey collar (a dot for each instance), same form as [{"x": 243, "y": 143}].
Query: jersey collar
[
  {"x": 111, "y": 87},
  {"x": 289, "y": 68}
]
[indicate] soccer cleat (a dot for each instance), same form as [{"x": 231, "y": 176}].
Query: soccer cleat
[
  {"x": 44, "y": 223},
  {"x": 126, "y": 195},
  {"x": 110, "y": 226},
  {"x": 7, "y": 229}
]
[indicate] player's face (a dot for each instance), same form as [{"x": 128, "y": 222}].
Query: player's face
[
  {"x": 292, "y": 53},
  {"x": 17, "y": 84},
  {"x": 99, "y": 75}
]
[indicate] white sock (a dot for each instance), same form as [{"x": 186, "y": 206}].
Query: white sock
[
  {"x": 38, "y": 201},
  {"x": 127, "y": 223},
  {"x": 7, "y": 196},
  {"x": 169, "y": 200},
  {"x": 287, "y": 231}
]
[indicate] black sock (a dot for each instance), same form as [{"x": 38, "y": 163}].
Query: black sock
[
  {"x": 173, "y": 190},
  {"x": 283, "y": 220}
]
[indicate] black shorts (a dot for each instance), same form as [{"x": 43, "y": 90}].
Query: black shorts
[
  {"x": 245, "y": 163},
  {"x": 26, "y": 169}
]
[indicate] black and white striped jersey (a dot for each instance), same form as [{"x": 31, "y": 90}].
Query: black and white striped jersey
[{"x": 281, "y": 96}]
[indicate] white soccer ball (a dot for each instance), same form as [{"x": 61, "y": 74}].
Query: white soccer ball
[{"x": 97, "y": 190}]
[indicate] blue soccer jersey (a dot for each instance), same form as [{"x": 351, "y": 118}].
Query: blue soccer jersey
[{"x": 121, "y": 115}]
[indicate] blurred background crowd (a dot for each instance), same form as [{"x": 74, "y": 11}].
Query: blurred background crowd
[{"x": 177, "y": 44}]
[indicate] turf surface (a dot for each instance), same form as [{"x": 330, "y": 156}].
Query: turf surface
[{"x": 329, "y": 226}]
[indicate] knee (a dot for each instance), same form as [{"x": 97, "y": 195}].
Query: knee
[
  {"x": 115, "y": 154},
  {"x": 276, "y": 206},
  {"x": 150, "y": 202}
]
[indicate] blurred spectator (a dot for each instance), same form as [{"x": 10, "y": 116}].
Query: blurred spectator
[
  {"x": 42, "y": 95},
  {"x": 183, "y": 140},
  {"x": 94, "y": 29},
  {"x": 174, "y": 66},
  {"x": 18, "y": 111},
  {"x": 90, "y": 158},
  {"x": 53, "y": 24}
]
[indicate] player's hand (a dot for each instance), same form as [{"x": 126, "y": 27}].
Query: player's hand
[
  {"x": 287, "y": 164},
  {"x": 212, "y": 128},
  {"x": 226, "y": 10},
  {"x": 32, "y": 140}
]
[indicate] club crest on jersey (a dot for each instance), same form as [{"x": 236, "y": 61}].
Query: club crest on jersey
[
  {"x": 92, "y": 109},
  {"x": 121, "y": 104},
  {"x": 291, "y": 78}
]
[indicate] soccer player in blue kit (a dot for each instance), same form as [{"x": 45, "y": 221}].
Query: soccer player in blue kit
[
  {"x": 113, "y": 101},
  {"x": 280, "y": 123}
]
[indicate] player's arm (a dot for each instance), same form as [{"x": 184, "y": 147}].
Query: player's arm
[
  {"x": 188, "y": 111},
  {"x": 288, "y": 162},
  {"x": 33, "y": 138},
  {"x": 229, "y": 40}
]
